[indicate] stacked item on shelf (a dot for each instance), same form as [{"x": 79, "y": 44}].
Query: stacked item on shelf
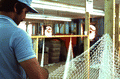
[{"x": 54, "y": 50}]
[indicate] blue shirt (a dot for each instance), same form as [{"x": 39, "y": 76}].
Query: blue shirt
[{"x": 15, "y": 47}]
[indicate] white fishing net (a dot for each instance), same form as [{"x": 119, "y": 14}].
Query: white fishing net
[{"x": 103, "y": 61}]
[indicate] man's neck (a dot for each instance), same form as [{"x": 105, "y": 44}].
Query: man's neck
[{"x": 9, "y": 14}]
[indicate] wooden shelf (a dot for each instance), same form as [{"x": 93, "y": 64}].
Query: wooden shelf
[{"x": 59, "y": 36}]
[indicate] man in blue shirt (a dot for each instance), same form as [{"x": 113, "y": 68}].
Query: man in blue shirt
[{"x": 17, "y": 57}]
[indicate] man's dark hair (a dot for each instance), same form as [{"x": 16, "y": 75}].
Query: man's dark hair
[{"x": 8, "y": 6}]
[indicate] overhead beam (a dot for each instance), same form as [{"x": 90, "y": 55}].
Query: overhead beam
[{"x": 65, "y": 8}]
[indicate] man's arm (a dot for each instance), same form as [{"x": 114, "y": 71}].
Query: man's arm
[{"x": 33, "y": 69}]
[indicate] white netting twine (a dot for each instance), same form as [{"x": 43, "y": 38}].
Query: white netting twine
[{"x": 104, "y": 63}]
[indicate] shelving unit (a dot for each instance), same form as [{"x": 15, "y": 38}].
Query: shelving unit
[{"x": 36, "y": 38}]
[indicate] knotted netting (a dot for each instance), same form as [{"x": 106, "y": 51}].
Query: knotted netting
[{"x": 104, "y": 63}]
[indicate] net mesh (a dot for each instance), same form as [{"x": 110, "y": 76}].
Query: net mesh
[{"x": 104, "y": 63}]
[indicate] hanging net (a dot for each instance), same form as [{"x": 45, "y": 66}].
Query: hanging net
[{"x": 104, "y": 63}]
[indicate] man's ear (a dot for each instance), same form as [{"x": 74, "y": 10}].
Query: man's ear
[{"x": 15, "y": 10}]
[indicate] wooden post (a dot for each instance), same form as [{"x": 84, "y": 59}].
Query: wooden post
[
  {"x": 117, "y": 46},
  {"x": 117, "y": 10},
  {"x": 109, "y": 26},
  {"x": 37, "y": 48},
  {"x": 87, "y": 45},
  {"x": 117, "y": 29}
]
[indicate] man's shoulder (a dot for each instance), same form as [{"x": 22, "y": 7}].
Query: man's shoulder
[
  {"x": 4, "y": 23},
  {"x": 20, "y": 33}
]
